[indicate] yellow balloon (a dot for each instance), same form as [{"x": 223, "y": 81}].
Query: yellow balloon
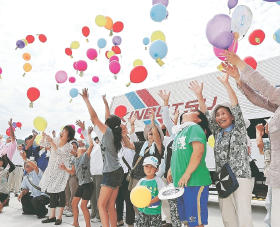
[
  {"x": 27, "y": 67},
  {"x": 220, "y": 67},
  {"x": 110, "y": 54},
  {"x": 38, "y": 139},
  {"x": 157, "y": 35},
  {"x": 100, "y": 20},
  {"x": 25, "y": 42},
  {"x": 40, "y": 123},
  {"x": 109, "y": 23},
  {"x": 75, "y": 45},
  {"x": 26, "y": 56},
  {"x": 211, "y": 141},
  {"x": 137, "y": 62},
  {"x": 140, "y": 196}
]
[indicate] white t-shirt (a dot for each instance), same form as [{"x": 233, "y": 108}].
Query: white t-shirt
[
  {"x": 128, "y": 154},
  {"x": 96, "y": 160},
  {"x": 17, "y": 159}
]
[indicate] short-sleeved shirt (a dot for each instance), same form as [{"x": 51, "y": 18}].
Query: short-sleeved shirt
[
  {"x": 154, "y": 185},
  {"x": 181, "y": 156},
  {"x": 82, "y": 167},
  {"x": 138, "y": 172},
  {"x": 33, "y": 151},
  {"x": 109, "y": 152}
]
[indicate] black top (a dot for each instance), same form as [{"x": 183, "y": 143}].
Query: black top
[{"x": 168, "y": 158}]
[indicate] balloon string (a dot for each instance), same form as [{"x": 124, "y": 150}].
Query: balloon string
[
  {"x": 160, "y": 62},
  {"x": 70, "y": 100},
  {"x": 87, "y": 40},
  {"x": 31, "y": 105},
  {"x": 23, "y": 74},
  {"x": 57, "y": 86}
]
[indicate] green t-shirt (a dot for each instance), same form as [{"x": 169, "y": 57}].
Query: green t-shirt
[
  {"x": 181, "y": 155},
  {"x": 154, "y": 185}
]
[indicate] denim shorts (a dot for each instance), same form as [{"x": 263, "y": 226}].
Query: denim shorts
[{"x": 113, "y": 179}]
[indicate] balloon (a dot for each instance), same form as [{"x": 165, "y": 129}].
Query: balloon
[
  {"x": 158, "y": 51},
  {"x": 138, "y": 74},
  {"x": 220, "y": 53},
  {"x": 232, "y": 3},
  {"x": 251, "y": 61},
  {"x": 211, "y": 141},
  {"x": 25, "y": 42},
  {"x": 33, "y": 94},
  {"x": 109, "y": 23},
  {"x": 146, "y": 41},
  {"x": 137, "y": 62},
  {"x": 82, "y": 137},
  {"x": 68, "y": 52},
  {"x": 95, "y": 79},
  {"x": 26, "y": 56},
  {"x": 117, "y": 40},
  {"x": 73, "y": 126},
  {"x": 140, "y": 196},
  {"x": 120, "y": 111},
  {"x": 42, "y": 38},
  {"x": 38, "y": 139},
  {"x": 158, "y": 12},
  {"x": 27, "y": 68},
  {"x": 82, "y": 66},
  {"x": 256, "y": 37},
  {"x": 0, "y": 70},
  {"x": 20, "y": 44},
  {"x": 75, "y": 65},
  {"x": 40, "y": 123},
  {"x": 75, "y": 45},
  {"x": 163, "y": 2},
  {"x": 116, "y": 49},
  {"x": 72, "y": 79},
  {"x": 218, "y": 31},
  {"x": 19, "y": 125},
  {"x": 115, "y": 67},
  {"x": 91, "y": 54},
  {"x": 101, "y": 43},
  {"x": 14, "y": 124},
  {"x": 271, "y": 0},
  {"x": 85, "y": 31},
  {"x": 278, "y": 2},
  {"x": 79, "y": 130},
  {"x": 118, "y": 26},
  {"x": 30, "y": 38},
  {"x": 74, "y": 92},
  {"x": 276, "y": 36},
  {"x": 241, "y": 20},
  {"x": 114, "y": 58},
  {"x": 61, "y": 76},
  {"x": 100, "y": 20},
  {"x": 110, "y": 54},
  {"x": 8, "y": 131},
  {"x": 157, "y": 35}
]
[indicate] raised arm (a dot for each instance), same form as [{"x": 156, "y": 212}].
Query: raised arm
[
  {"x": 231, "y": 93},
  {"x": 259, "y": 135},
  {"x": 12, "y": 133},
  {"x": 197, "y": 90},
  {"x": 89, "y": 150},
  {"x": 132, "y": 124},
  {"x": 176, "y": 116},
  {"x": 50, "y": 140},
  {"x": 156, "y": 134},
  {"x": 107, "y": 109},
  {"x": 93, "y": 116},
  {"x": 125, "y": 139},
  {"x": 30, "y": 143},
  {"x": 11, "y": 165}
]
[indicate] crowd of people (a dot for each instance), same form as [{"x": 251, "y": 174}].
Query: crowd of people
[{"x": 63, "y": 172}]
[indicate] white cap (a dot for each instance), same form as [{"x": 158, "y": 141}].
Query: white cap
[{"x": 151, "y": 160}]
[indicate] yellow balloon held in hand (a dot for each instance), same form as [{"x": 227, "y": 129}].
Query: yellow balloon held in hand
[
  {"x": 100, "y": 20},
  {"x": 157, "y": 35},
  {"x": 211, "y": 141},
  {"x": 26, "y": 56},
  {"x": 140, "y": 196},
  {"x": 38, "y": 139},
  {"x": 75, "y": 45},
  {"x": 27, "y": 68},
  {"x": 137, "y": 62},
  {"x": 40, "y": 124}
]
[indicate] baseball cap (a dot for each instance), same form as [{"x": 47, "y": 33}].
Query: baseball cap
[{"x": 151, "y": 160}]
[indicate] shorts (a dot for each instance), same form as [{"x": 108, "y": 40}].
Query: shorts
[
  {"x": 84, "y": 191},
  {"x": 113, "y": 179},
  {"x": 192, "y": 205},
  {"x": 57, "y": 199}
]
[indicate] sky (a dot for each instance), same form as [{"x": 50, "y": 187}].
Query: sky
[{"x": 189, "y": 52}]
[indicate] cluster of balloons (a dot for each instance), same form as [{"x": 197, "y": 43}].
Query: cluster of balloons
[
  {"x": 27, "y": 66},
  {"x": 158, "y": 11},
  {"x": 139, "y": 73},
  {"x": 33, "y": 94},
  {"x": 15, "y": 125},
  {"x": 107, "y": 23},
  {"x": 28, "y": 40},
  {"x": 158, "y": 48}
]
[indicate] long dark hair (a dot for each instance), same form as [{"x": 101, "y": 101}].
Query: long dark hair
[
  {"x": 114, "y": 123},
  {"x": 71, "y": 132}
]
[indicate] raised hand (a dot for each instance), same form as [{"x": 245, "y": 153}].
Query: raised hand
[
  {"x": 164, "y": 96},
  {"x": 81, "y": 124},
  {"x": 49, "y": 139},
  {"x": 224, "y": 79},
  {"x": 85, "y": 94},
  {"x": 232, "y": 57},
  {"x": 10, "y": 122},
  {"x": 196, "y": 87},
  {"x": 260, "y": 129},
  {"x": 104, "y": 98},
  {"x": 132, "y": 119},
  {"x": 53, "y": 133},
  {"x": 152, "y": 116},
  {"x": 231, "y": 70},
  {"x": 90, "y": 129}
]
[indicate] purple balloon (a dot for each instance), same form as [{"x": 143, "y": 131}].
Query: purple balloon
[
  {"x": 14, "y": 124},
  {"x": 117, "y": 40},
  {"x": 271, "y": 0},
  {"x": 20, "y": 44},
  {"x": 232, "y": 3},
  {"x": 163, "y": 2},
  {"x": 218, "y": 31}
]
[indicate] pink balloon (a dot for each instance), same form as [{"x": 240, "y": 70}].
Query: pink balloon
[
  {"x": 73, "y": 126},
  {"x": 115, "y": 67},
  {"x": 114, "y": 58},
  {"x": 95, "y": 79},
  {"x": 61, "y": 76},
  {"x": 0, "y": 70},
  {"x": 221, "y": 52},
  {"x": 82, "y": 65},
  {"x": 75, "y": 65},
  {"x": 72, "y": 79},
  {"x": 91, "y": 54},
  {"x": 79, "y": 130}
]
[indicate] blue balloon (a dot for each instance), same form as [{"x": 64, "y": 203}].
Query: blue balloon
[
  {"x": 158, "y": 12},
  {"x": 276, "y": 36},
  {"x": 158, "y": 49},
  {"x": 278, "y": 2},
  {"x": 74, "y": 92},
  {"x": 146, "y": 41},
  {"x": 101, "y": 43}
]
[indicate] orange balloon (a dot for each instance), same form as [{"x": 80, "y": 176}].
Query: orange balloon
[
  {"x": 26, "y": 56},
  {"x": 109, "y": 23},
  {"x": 27, "y": 67}
]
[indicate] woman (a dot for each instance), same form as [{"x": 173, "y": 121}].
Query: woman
[
  {"x": 229, "y": 129},
  {"x": 112, "y": 170},
  {"x": 263, "y": 94},
  {"x": 54, "y": 179}
]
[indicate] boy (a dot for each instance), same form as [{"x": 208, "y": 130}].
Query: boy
[{"x": 151, "y": 215}]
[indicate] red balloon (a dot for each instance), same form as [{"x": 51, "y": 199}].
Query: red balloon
[
  {"x": 118, "y": 26},
  {"x": 116, "y": 49},
  {"x": 85, "y": 31},
  {"x": 33, "y": 94},
  {"x": 120, "y": 111},
  {"x": 82, "y": 137},
  {"x": 30, "y": 38},
  {"x": 19, "y": 125},
  {"x": 68, "y": 51},
  {"x": 251, "y": 61},
  {"x": 138, "y": 74},
  {"x": 106, "y": 54},
  {"x": 257, "y": 37},
  {"x": 8, "y": 132},
  {"x": 42, "y": 38}
]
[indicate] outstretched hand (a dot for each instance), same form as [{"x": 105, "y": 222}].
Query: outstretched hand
[
  {"x": 231, "y": 70},
  {"x": 260, "y": 129},
  {"x": 85, "y": 94},
  {"x": 224, "y": 79},
  {"x": 152, "y": 116},
  {"x": 132, "y": 119},
  {"x": 81, "y": 124},
  {"x": 90, "y": 129},
  {"x": 10, "y": 122},
  {"x": 164, "y": 96},
  {"x": 196, "y": 87},
  {"x": 232, "y": 57}
]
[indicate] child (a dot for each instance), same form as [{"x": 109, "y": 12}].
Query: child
[
  {"x": 151, "y": 215},
  {"x": 82, "y": 169}
]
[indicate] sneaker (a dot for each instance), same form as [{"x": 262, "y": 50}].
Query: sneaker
[
  {"x": 95, "y": 220},
  {"x": 65, "y": 211},
  {"x": 69, "y": 214}
]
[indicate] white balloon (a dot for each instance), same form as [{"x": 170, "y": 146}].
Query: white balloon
[{"x": 241, "y": 20}]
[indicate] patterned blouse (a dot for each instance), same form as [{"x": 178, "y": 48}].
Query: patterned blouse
[{"x": 231, "y": 147}]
